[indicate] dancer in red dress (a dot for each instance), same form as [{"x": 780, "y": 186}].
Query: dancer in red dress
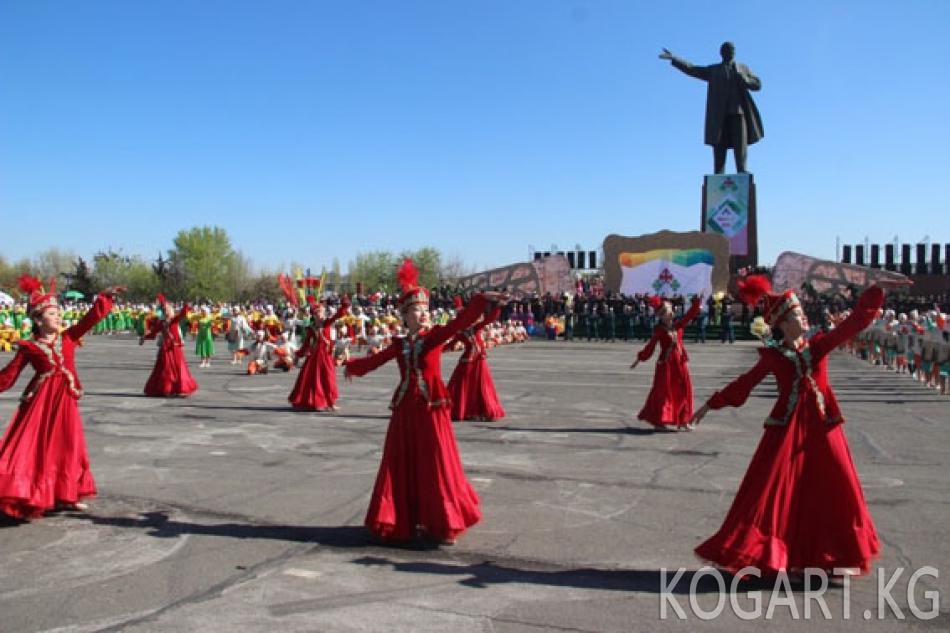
[
  {"x": 315, "y": 389},
  {"x": 471, "y": 387},
  {"x": 800, "y": 503},
  {"x": 670, "y": 401},
  {"x": 170, "y": 376},
  {"x": 421, "y": 489},
  {"x": 43, "y": 459}
]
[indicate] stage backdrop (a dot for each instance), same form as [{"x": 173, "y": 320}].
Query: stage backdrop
[
  {"x": 827, "y": 277},
  {"x": 667, "y": 263},
  {"x": 555, "y": 275},
  {"x": 521, "y": 280}
]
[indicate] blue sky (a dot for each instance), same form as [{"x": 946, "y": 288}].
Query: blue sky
[{"x": 312, "y": 130}]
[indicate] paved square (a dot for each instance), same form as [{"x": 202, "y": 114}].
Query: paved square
[{"x": 227, "y": 511}]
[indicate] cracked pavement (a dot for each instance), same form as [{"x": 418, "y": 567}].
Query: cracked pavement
[{"x": 228, "y": 511}]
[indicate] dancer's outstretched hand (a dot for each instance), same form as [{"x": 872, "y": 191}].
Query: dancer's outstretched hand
[
  {"x": 699, "y": 415},
  {"x": 114, "y": 291},
  {"x": 635, "y": 363}
]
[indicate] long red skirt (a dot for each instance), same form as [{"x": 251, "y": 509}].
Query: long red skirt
[
  {"x": 315, "y": 389},
  {"x": 473, "y": 392},
  {"x": 170, "y": 376},
  {"x": 670, "y": 401},
  {"x": 799, "y": 505},
  {"x": 421, "y": 485},
  {"x": 43, "y": 457}
]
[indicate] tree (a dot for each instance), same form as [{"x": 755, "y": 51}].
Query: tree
[
  {"x": 335, "y": 276},
  {"x": 82, "y": 278},
  {"x": 141, "y": 280},
  {"x": 113, "y": 268},
  {"x": 376, "y": 270},
  {"x": 161, "y": 268},
  {"x": 8, "y": 273},
  {"x": 203, "y": 263},
  {"x": 241, "y": 277},
  {"x": 264, "y": 287},
  {"x": 454, "y": 267},
  {"x": 53, "y": 263},
  {"x": 429, "y": 262}
]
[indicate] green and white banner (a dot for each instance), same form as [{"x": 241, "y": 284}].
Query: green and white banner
[{"x": 727, "y": 209}]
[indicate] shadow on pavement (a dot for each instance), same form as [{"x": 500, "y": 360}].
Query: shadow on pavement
[
  {"x": 159, "y": 525},
  {"x": 487, "y": 573},
  {"x": 626, "y": 430}
]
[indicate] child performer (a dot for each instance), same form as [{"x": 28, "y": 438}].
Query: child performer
[
  {"x": 471, "y": 387},
  {"x": 238, "y": 333},
  {"x": 43, "y": 459},
  {"x": 800, "y": 503},
  {"x": 259, "y": 357},
  {"x": 421, "y": 489},
  {"x": 204, "y": 339},
  {"x": 670, "y": 401},
  {"x": 170, "y": 376},
  {"x": 374, "y": 340},
  {"x": 285, "y": 352},
  {"x": 315, "y": 389}
]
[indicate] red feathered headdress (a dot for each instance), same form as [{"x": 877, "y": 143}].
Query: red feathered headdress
[
  {"x": 659, "y": 304},
  {"x": 412, "y": 294},
  {"x": 37, "y": 298},
  {"x": 756, "y": 287}
]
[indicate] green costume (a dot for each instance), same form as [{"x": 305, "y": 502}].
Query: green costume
[{"x": 204, "y": 342}]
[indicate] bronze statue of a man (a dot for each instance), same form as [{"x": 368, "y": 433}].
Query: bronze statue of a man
[{"x": 732, "y": 120}]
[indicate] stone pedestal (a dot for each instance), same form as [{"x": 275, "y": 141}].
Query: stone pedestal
[{"x": 729, "y": 209}]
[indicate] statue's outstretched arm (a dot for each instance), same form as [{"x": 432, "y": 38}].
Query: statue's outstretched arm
[{"x": 699, "y": 72}]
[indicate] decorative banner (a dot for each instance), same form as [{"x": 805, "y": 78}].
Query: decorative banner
[
  {"x": 521, "y": 280},
  {"x": 554, "y": 272},
  {"x": 666, "y": 263},
  {"x": 793, "y": 270},
  {"x": 667, "y": 272},
  {"x": 727, "y": 209}
]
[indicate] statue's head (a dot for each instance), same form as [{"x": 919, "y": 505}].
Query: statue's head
[{"x": 728, "y": 51}]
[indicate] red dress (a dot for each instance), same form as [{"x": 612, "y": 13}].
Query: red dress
[
  {"x": 670, "y": 401},
  {"x": 315, "y": 389},
  {"x": 471, "y": 387},
  {"x": 43, "y": 457},
  {"x": 800, "y": 503},
  {"x": 421, "y": 484},
  {"x": 170, "y": 376}
]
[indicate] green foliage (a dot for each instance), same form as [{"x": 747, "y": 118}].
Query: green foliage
[
  {"x": 264, "y": 287},
  {"x": 82, "y": 278},
  {"x": 113, "y": 268},
  {"x": 376, "y": 270},
  {"x": 429, "y": 262},
  {"x": 53, "y": 262},
  {"x": 203, "y": 265},
  {"x": 8, "y": 274}
]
